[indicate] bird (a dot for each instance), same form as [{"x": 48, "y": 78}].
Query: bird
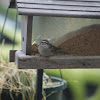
[{"x": 47, "y": 49}]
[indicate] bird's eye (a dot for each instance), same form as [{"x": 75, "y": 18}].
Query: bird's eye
[{"x": 43, "y": 43}]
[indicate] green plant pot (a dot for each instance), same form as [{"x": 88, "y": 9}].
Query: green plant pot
[
  {"x": 53, "y": 93},
  {"x": 56, "y": 92}
]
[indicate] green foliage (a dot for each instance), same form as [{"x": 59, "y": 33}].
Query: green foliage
[
  {"x": 11, "y": 13},
  {"x": 77, "y": 80}
]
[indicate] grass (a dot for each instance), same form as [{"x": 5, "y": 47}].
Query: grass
[
  {"x": 11, "y": 14},
  {"x": 4, "y": 50},
  {"x": 21, "y": 80},
  {"x": 9, "y": 33}
]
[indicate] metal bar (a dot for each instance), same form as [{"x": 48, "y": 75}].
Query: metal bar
[{"x": 39, "y": 84}]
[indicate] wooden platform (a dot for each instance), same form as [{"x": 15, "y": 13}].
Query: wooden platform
[
  {"x": 55, "y": 62},
  {"x": 68, "y": 8}
]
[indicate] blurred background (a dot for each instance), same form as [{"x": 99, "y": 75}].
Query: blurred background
[
  {"x": 9, "y": 29},
  {"x": 82, "y": 84}
]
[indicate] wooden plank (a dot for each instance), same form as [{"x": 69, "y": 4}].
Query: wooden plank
[
  {"x": 86, "y": 0},
  {"x": 63, "y": 0},
  {"x": 26, "y": 30},
  {"x": 57, "y": 7},
  {"x": 78, "y": 8},
  {"x": 56, "y": 62},
  {"x": 12, "y": 55},
  {"x": 66, "y": 3},
  {"x": 41, "y": 12}
]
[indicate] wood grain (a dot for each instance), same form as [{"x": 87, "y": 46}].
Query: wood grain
[
  {"x": 56, "y": 62},
  {"x": 12, "y": 55},
  {"x": 69, "y": 8},
  {"x": 26, "y": 30},
  {"x": 67, "y": 2},
  {"x": 78, "y": 14},
  {"x": 57, "y": 7}
]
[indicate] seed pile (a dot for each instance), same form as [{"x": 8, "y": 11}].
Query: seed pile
[{"x": 87, "y": 43}]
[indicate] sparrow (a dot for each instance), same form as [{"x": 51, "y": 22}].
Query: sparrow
[{"x": 47, "y": 49}]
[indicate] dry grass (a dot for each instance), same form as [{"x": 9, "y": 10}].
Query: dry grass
[{"x": 21, "y": 80}]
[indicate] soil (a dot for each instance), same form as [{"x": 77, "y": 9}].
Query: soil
[{"x": 87, "y": 43}]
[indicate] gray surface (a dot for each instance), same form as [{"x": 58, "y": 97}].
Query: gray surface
[
  {"x": 73, "y": 8},
  {"x": 26, "y": 30},
  {"x": 12, "y": 55},
  {"x": 56, "y": 62}
]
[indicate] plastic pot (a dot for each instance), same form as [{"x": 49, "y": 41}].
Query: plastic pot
[{"x": 56, "y": 92}]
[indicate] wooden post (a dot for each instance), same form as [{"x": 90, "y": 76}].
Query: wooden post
[
  {"x": 26, "y": 29},
  {"x": 39, "y": 84}
]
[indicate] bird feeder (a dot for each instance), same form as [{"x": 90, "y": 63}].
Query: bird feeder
[
  {"x": 74, "y": 8},
  {"x": 28, "y": 9}
]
